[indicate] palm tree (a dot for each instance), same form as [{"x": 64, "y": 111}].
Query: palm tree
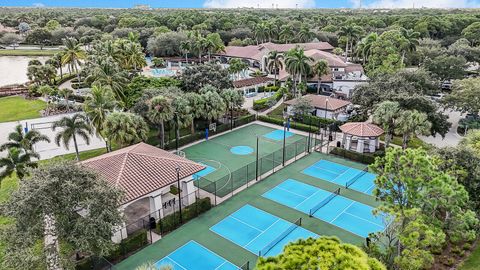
[
  {"x": 319, "y": 69},
  {"x": 160, "y": 111},
  {"x": 413, "y": 123},
  {"x": 213, "y": 106},
  {"x": 298, "y": 65},
  {"x": 135, "y": 58},
  {"x": 350, "y": 32},
  {"x": 286, "y": 33},
  {"x": 17, "y": 161},
  {"x": 97, "y": 106},
  {"x": 365, "y": 46},
  {"x": 73, "y": 54},
  {"x": 182, "y": 112},
  {"x": 186, "y": 47},
  {"x": 260, "y": 32},
  {"x": 46, "y": 91},
  {"x": 25, "y": 141},
  {"x": 275, "y": 63},
  {"x": 214, "y": 44},
  {"x": 196, "y": 103},
  {"x": 305, "y": 34},
  {"x": 71, "y": 127},
  {"x": 271, "y": 28},
  {"x": 125, "y": 128},
  {"x": 387, "y": 114},
  {"x": 56, "y": 61},
  {"x": 411, "y": 41},
  {"x": 65, "y": 93},
  {"x": 108, "y": 75}
]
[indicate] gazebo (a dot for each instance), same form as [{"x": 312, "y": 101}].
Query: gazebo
[{"x": 361, "y": 137}]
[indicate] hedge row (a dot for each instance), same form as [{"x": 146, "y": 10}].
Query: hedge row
[
  {"x": 262, "y": 103},
  {"x": 355, "y": 156},
  {"x": 171, "y": 222},
  {"x": 294, "y": 125}
]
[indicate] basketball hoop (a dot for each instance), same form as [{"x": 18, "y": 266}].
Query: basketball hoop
[{"x": 213, "y": 127}]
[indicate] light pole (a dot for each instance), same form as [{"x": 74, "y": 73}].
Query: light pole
[
  {"x": 326, "y": 108},
  {"x": 176, "y": 131},
  {"x": 179, "y": 194},
  {"x": 284, "y": 138}
]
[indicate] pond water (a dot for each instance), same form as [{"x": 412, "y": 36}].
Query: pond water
[{"x": 13, "y": 69}]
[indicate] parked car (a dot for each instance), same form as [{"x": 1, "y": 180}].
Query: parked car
[
  {"x": 437, "y": 97},
  {"x": 447, "y": 85}
]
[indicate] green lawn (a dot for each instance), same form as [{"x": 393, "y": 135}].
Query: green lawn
[
  {"x": 18, "y": 52},
  {"x": 473, "y": 260},
  {"x": 18, "y": 108}
]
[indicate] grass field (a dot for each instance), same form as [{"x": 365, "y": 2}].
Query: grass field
[
  {"x": 18, "y": 52},
  {"x": 473, "y": 261},
  {"x": 199, "y": 228},
  {"x": 17, "y": 108},
  {"x": 232, "y": 170}
]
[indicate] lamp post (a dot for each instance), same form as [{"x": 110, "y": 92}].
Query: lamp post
[
  {"x": 176, "y": 131},
  {"x": 284, "y": 138},
  {"x": 179, "y": 194},
  {"x": 326, "y": 108}
]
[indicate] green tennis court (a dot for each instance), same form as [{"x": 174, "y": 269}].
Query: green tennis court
[{"x": 231, "y": 158}]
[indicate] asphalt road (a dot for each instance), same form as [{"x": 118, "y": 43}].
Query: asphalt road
[{"x": 451, "y": 138}]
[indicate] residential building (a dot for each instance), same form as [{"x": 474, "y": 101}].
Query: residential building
[{"x": 324, "y": 107}]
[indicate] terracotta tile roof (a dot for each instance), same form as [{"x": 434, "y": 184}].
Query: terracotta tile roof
[
  {"x": 353, "y": 67},
  {"x": 332, "y": 59},
  {"x": 256, "y": 52},
  {"x": 319, "y": 102},
  {"x": 141, "y": 169},
  {"x": 361, "y": 129},
  {"x": 251, "y": 82}
]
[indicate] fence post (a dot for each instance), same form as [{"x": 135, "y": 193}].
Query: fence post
[
  {"x": 256, "y": 163},
  {"x": 215, "y": 191}
]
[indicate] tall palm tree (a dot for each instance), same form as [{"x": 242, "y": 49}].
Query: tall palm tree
[
  {"x": 214, "y": 44},
  {"x": 160, "y": 111},
  {"x": 46, "y": 91},
  {"x": 73, "y": 54},
  {"x": 350, "y": 32},
  {"x": 125, "y": 128},
  {"x": 319, "y": 69},
  {"x": 26, "y": 141},
  {"x": 274, "y": 63},
  {"x": 298, "y": 65},
  {"x": 260, "y": 32},
  {"x": 186, "y": 47},
  {"x": 17, "y": 161},
  {"x": 387, "y": 114},
  {"x": 182, "y": 113},
  {"x": 413, "y": 123},
  {"x": 109, "y": 75},
  {"x": 213, "y": 106},
  {"x": 71, "y": 127},
  {"x": 135, "y": 58},
  {"x": 286, "y": 33},
  {"x": 305, "y": 34},
  {"x": 66, "y": 93},
  {"x": 271, "y": 28},
  {"x": 97, "y": 106},
  {"x": 196, "y": 103},
  {"x": 365, "y": 46},
  {"x": 411, "y": 41}
]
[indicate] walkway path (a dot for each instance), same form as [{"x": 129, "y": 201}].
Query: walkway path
[
  {"x": 48, "y": 150},
  {"x": 451, "y": 138},
  {"x": 248, "y": 104}
]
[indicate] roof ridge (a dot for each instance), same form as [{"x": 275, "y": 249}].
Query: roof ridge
[
  {"x": 122, "y": 168},
  {"x": 179, "y": 159}
]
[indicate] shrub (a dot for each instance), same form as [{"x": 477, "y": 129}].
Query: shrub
[
  {"x": 293, "y": 125},
  {"x": 355, "y": 156},
  {"x": 171, "y": 222}
]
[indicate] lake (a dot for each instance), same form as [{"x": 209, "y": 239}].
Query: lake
[{"x": 13, "y": 69}]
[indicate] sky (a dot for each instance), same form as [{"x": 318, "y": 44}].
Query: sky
[{"x": 248, "y": 3}]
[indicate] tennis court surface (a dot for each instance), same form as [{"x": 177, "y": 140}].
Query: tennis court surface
[
  {"x": 259, "y": 232},
  {"x": 345, "y": 176},
  {"x": 329, "y": 207},
  {"x": 193, "y": 256}
]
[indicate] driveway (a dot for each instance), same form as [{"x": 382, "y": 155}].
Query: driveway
[
  {"x": 451, "y": 138},
  {"x": 43, "y": 125}
]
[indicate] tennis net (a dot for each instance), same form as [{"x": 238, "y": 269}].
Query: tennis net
[
  {"x": 324, "y": 202},
  {"x": 280, "y": 237},
  {"x": 356, "y": 177}
]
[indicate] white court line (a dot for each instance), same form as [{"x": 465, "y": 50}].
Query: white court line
[
  {"x": 246, "y": 223},
  {"x": 261, "y": 233},
  {"x": 344, "y": 209},
  {"x": 335, "y": 179},
  {"x": 175, "y": 261},
  {"x": 292, "y": 192},
  {"x": 327, "y": 170},
  {"x": 308, "y": 197},
  {"x": 220, "y": 265},
  {"x": 364, "y": 219}
]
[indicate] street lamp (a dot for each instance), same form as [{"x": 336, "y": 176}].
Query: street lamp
[
  {"x": 284, "y": 138},
  {"x": 326, "y": 108},
  {"x": 176, "y": 131},
  {"x": 179, "y": 193}
]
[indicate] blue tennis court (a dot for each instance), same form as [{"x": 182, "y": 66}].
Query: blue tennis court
[
  {"x": 337, "y": 210},
  {"x": 208, "y": 169},
  {"x": 345, "y": 176},
  {"x": 193, "y": 256},
  {"x": 277, "y": 135},
  {"x": 259, "y": 232}
]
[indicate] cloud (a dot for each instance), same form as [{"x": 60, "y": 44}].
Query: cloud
[
  {"x": 38, "y": 5},
  {"x": 259, "y": 3},
  {"x": 417, "y": 3}
]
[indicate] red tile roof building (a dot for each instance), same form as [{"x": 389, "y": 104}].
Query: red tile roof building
[{"x": 141, "y": 169}]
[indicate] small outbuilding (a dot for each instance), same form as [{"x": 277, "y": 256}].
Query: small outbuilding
[
  {"x": 324, "y": 107},
  {"x": 361, "y": 137}
]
